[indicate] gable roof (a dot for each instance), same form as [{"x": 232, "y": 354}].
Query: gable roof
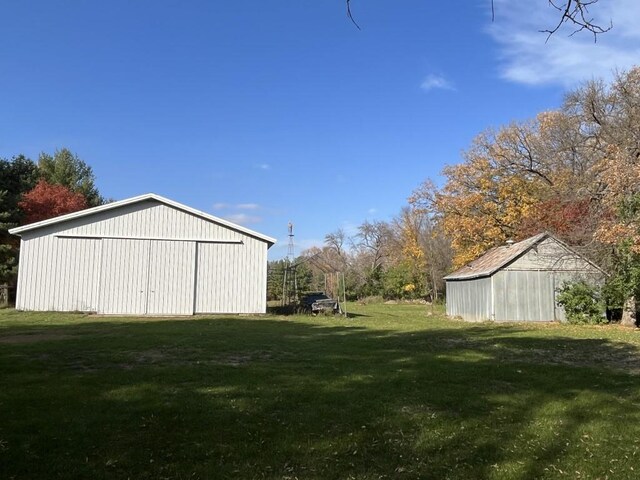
[
  {"x": 499, "y": 257},
  {"x": 139, "y": 199}
]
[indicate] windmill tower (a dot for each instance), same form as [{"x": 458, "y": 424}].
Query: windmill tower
[
  {"x": 290, "y": 248},
  {"x": 290, "y": 283}
]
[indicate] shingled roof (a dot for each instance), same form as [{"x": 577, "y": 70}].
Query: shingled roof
[{"x": 496, "y": 258}]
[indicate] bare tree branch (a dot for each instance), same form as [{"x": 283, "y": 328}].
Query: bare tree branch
[
  {"x": 576, "y": 13},
  {"x": 350, "y": 15},
  {"x": 573, "y": 12}
]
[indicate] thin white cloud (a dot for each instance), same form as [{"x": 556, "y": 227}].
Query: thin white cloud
[
  {"x": 236, "y": 213},
  {"x": 248, "y": 206},
  {"x": 372, "y": 211},
  {"x": 243, "y": 218},
  {"x": 239, "y": 206},
  {"x": 263, "y": 166},
  {"x": 564, "y": 59},
  {"x": 436, "y": 82}
]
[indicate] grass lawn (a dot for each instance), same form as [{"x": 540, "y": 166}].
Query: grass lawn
[{"x": 392, "y": 393}]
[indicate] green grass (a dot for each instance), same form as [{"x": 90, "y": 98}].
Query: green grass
[{"x": 392, "y": 393}]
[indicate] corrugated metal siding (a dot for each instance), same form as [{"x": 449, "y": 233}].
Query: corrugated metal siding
[
  {"x": 124, "y": 276},
  {"x": 145, "y": 219},
  {"x": 230, "y": 277},
  {"x": 524, "y": 296},
  {"x": 531, "y": 295},
  {"x": 58, "y": 274},
  {"x": 524, "y": 290},
  {"x": 171, "y": 278},
  {"x": 469, "y": 299},
  {"x": 115, "y": 275}
]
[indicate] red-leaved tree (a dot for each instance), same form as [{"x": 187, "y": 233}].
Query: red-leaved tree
[
  {"x": 573, "y": 220},
  {"x": 47, "y": 201}
]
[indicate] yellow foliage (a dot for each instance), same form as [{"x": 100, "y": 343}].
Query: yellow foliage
[
  {"x": 622, "y": 177},
  {"x": 482, "y": 206}
]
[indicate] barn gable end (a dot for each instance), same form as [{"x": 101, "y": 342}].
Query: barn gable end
[
  {"x": 551, "y": 254},
  {"x": 147, "y": 255}
]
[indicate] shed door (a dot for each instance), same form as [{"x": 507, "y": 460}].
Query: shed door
[
  {"x": 171, "y": 278},
  {"x": 124, "y": 274}
]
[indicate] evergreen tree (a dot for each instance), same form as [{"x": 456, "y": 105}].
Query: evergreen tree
[{"x": 67, "y": 169}]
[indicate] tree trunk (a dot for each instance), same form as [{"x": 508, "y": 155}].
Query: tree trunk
[{"x": 629, "y": 312}]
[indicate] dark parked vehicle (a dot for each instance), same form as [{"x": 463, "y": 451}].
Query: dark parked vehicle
[{"x": 317, "y": 302}]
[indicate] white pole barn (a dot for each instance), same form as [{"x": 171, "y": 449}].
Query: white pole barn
[{"x": 146, "y": 255}]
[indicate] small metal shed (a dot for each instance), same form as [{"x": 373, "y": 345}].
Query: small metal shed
[
  {"x": 146, "y": 255},
  {"x": 518, "y": 281}
]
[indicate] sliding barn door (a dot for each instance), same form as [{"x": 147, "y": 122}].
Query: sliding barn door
[
  {"x": 123, "y": 277},
  {"x": 147, "y": 277},
  {"x": 171, "y": 278}
]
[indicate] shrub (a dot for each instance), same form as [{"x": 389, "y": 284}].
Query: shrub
[
  {"x": 371, "y": 299},
  {"x": 582, "y": 303}
]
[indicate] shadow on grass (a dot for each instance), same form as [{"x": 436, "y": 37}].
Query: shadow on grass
[
  {"x": 247, "y": 398},
  {"x": 291, "y": 311},
  {"x": 357, "y": 315}
]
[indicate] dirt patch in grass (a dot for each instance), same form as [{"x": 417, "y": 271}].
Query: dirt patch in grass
[
  {"x": 236, "y": 360},
  {"x": 616, "y": 357},
  {"x": 589, "y": 353},
  {"x": 33, "y": 338},
  {"x": 182, "y": 357},
  {"x": 155, "y": 357}
]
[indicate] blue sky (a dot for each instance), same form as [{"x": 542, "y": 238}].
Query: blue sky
[{"x": 265, "y": 112}]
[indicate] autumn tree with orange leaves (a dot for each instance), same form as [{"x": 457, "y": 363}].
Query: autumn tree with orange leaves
[
  {"x": 615, "y": 113},
  {"x": 499, "y": 190},
  {"x": 574, "y": 172},
  {"x": 47, "y": 201},
  {"x": 544, "y": 174}
]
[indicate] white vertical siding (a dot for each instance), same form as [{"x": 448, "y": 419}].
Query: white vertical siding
[
  {"x": 231, "y": 278},
  {"x": 125, "y": 276},
  {"x": 147, "y": 277},
  {"x": 57, "y": 274},
  {"x": 174, "y": 269},
  {"x": 214, "y": 278},
  {"x": 148, "y": 219},
  {"x": 79, "y": 290},
  {"x": 25, "y": 276},
  {"x": 171, "y": 278}
]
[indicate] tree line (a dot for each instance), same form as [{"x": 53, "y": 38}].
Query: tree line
[
  {"x": 404, "y": 258},
  {"x": 573, "y": 171},
  {"x": 31, "y": 191}
]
